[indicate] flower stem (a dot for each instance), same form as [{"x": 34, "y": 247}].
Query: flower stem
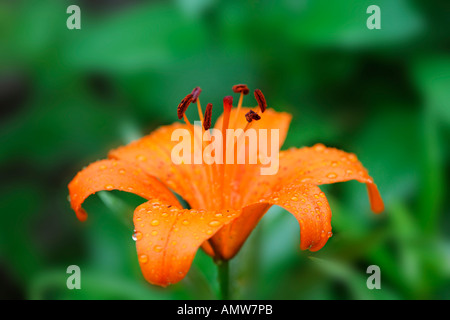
[{"x": 224, "y": 279}]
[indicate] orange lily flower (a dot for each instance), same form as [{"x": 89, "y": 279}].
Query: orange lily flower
[{"x": 226, "y": 200}]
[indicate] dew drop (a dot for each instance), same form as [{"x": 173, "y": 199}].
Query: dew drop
[
  {"x": 154, "y": 233},
  {"x": 294, "y": 199},
  {"x": 155, "y": 223},
  {"x": 141, "y": 157},
  {"x": 137, "y": 236},
  {"x": 109, "y": 187},
  {"x": 157, "y": 248},
  {"x": 185, "y": 222},
  {"x": 214, "y": 223},
  {"x": 122, "y": 171},
  {"x": 332, "y": 175},
  {"x": 319, "y": 147},
  {"x": 143, "y": 258}
]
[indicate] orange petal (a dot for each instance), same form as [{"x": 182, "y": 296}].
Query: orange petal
[
  {"x": 306, "y": 202},
  {"x": 115, "y": 175},
  {"x": 317, "y": 165},
  {"x": 231, "y": 237},
  {"x": 152, "y": 153},
  {"x": 168, "y": 238}
]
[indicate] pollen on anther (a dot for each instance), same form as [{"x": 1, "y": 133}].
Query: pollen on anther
[
  {"x": 195, "y": 94},
  {"x": 261, "y": 100},
  {"x": 252, "y": 115},
  {"x": 241, "y": 88},
  {"x": 184, "y": 104},
  {"x": 207, "y": 118}
]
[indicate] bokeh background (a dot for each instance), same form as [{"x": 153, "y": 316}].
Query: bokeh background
[{"x": 68, "y": 96}]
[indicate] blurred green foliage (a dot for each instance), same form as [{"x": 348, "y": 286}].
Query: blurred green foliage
[{"x": 68, "y": 96}]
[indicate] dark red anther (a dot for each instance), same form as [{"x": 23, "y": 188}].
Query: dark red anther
[
  {"x": 195, "y": 94},
  {"x": 207, "y": 118},
  {"x": 241, "y": 88},
  {"x": 184, "y": 104},
  {"x": 261, "y": 100},
  {"x": 228, "y": 103},
  {"x": 252, "y": 115}
]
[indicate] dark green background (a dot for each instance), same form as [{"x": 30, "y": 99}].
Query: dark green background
[{"x": 68, "y": 96}]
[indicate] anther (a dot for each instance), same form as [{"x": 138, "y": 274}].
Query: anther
[
  {"x": 195, "y": 94},
  {"x": 184, "y": 104},
  {"x": 252, "y": 115},
  {"x": 241, "y": 88},
  {"x": 207, "y": 118},
  {"x": 261, "y": 100}
]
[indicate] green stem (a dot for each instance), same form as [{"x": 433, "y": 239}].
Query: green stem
[{"x": 224, "y": 279}]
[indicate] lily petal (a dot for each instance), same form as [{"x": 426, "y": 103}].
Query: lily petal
[
  {"x": 305, "y": 201},
  {"x": 321, "y": 165},
  {"x": 298, "y": 167},
  {"x": 153, "y": 154},
  {"x": 168, "y": 238},
  {"x": 115, "y": 175}
]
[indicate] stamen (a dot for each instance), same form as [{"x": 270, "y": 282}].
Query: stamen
[
  {"x": 195, "y": 99},
  {"x": 208, "y": 114},
  {"x": 252, "y": 115},
  {"x": 243, "y": 89},
  {"x": 261, "y": 100},
  {"x": 184, "y": 104}
]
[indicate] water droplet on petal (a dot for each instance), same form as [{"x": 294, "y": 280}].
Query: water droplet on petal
[
  {"x": 154, "y": 233},
  {"x": 141, "y": 157},
  {"x": 155, "y": 222},
  {"x": 332, "y": 175},
  {"x": 185, "y": 222},
  {"x": 157, "y": 248},
  {"x": 137, "y": 236},
  {"x": 214, "y": 223},
  {"x": 143, "y": 258},
  {"x": 319, "y": 147},
  {"x": 109, "y": 187}
]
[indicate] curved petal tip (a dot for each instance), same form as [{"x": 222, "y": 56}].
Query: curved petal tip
[{"x": 376, "y": 202}]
